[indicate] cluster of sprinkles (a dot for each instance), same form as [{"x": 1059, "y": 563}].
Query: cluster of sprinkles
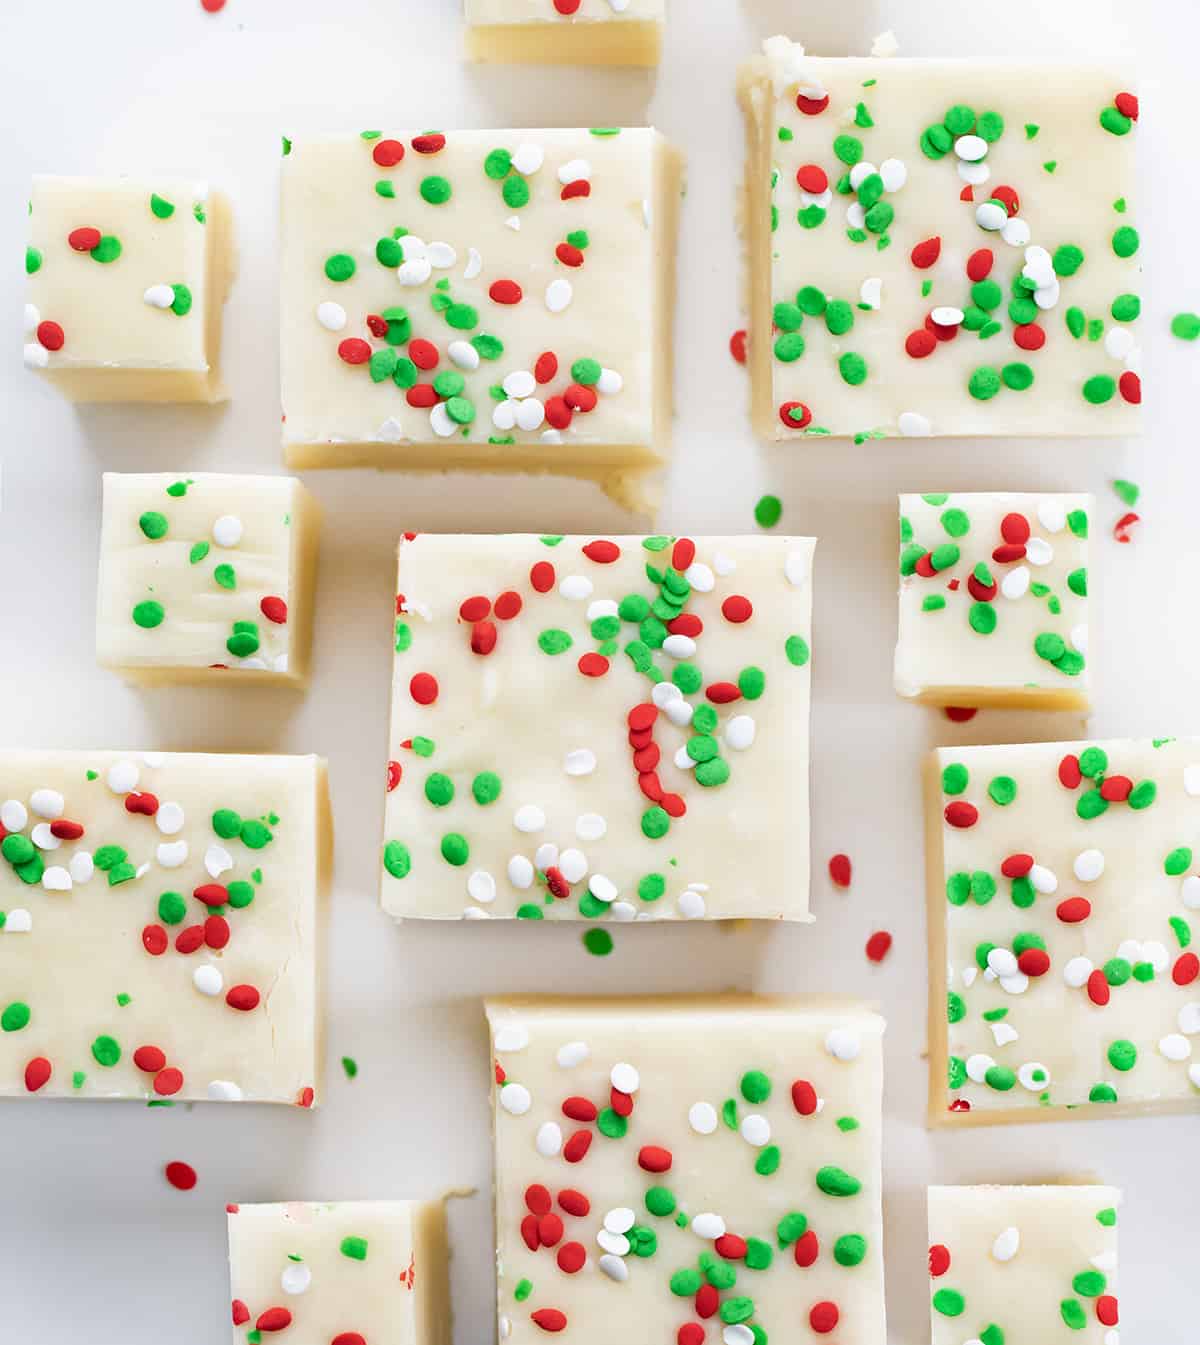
[
  {"x": 709, "y": 1268},
  {"x": 46, "y": 336},
  {"x": 662, "y": 637},
  {"x": 1061, "y": 906},
  {"x": 245, "y": 644},
  {"x": 44, "y": 845},
  {"x": 428, "y": 347}
]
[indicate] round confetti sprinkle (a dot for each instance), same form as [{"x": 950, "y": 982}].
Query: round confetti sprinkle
[
  {"x": 182, "y": 1176},
  {"x": 768, "y": 511}
]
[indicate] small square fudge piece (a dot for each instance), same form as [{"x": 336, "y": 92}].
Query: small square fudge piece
[
  {"x": 487, "y": 300},
  {"x": 940, "y": 247},
  {"x": 994, "y": 600},
  {"x": 162, "y": 925},
  {"x": 126, "y": 281},
  {"x": 206, "y": 576},
  {"x": 566, "y": 32},
  {"x": 1023, "y": 1263},
  {"x": 688, "y": 1169},
  {"x": 344, "y": 1273},
  {"x": 599, "y": 728},
  {"x": 1063, "y": 904}
]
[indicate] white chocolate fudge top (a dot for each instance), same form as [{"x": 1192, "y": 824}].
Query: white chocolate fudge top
[
  {"x": 1069, "y": 893},
  {"x": 993, "y": 592},
  {"x": 563, "y": 11},
  {"x": 197, "y": 570},
  {"x": 117, "y": 274},
  {"x": 599, "y": 728},
  {"x": 369, "y": 1272},
  {"x": 159, "y": 925},
  {"x": 472, "y": 286},
  {"x": 688, "y": 1170},
  {"x": 955, "y": 250},
  {"x": 1023, "y": 1263}
]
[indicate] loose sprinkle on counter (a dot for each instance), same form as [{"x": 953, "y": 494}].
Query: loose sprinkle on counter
[{"x": 182, "y": 1176}]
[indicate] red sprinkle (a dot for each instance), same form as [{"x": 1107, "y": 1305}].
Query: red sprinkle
[
  {"x": 507, "y": 605},
  {"x": 578, "y": 1109},
  {"x": 960, "y": 714},
  {"x": 144, "y": 804},
  {"x": 149, "y": 1059},
  {"x": 274, "y": 609},
  {"x": 154, "y": 940},
  {"x": 807, "y": 1250},
  {"x": 551, "y": 1319},
  {"x": 621, "y": 1103},
  {"x": 483, "y": 637},
  {"x": 1029, "y": 336},
  {"x": 1034, "y": 962},
  {"x": 723, "y": 693},
  {"x": 1010, "y": 198},
  {"x": 980, "y": 263},
  {"x": 546, "y": 366},
  {"x": 571, "y": 1257},
  {"x": 653, "y": 1158},
  {"x": 1074, "y": 910},
  {"x": 65, "y": 830},
  {"x": 569, "y": 254},
  {"x": 423, "y": 688},
  {"x": 529, "y": 1232},
  {"x": 602, "y": 552},
  {"x": 37, "y": 1072},
  {"x": 1127, "y": 105},
  {"x": 541, "y": 576},
  {"x": 505, "y": 292},
  {"x": 168, "y": 1082},
  {"x": 840, "y": 870},
  {"x": 377, "y": 325},
  {"x": 686, "y": 624},
  {"x": 961, "y": 814},
  {"x": 1130, "y": 385},
  {"x": 920, "y": 343},
  {"x": 579, "y": 397},
  {"x": 216, "y": 931},
  {"x": 241, "y": 1313},
  {"x": 812, "y": 178},
  {"x": 190, "y": 940},
  {"x": 824, "y": 1317},
  {"x": 731, "y": 1247},
  {"x": 387, "y": 153},
  {"x": 566, "y": 6},
  {"x": 879, "y": 945},
  {"x": 926, "y": 253},
  {"x": 1116, "y": 788},
  {"x": 432, "y": 143},
  {"x": 1069, "y": 772},
  {"x": 574, "y": 1203},
  {"x": 737, "y": 609},
  {"x": 642, "y": 717},
  {"x": 550, "y": 1230},
  {"x": 1007, "y": 554},
  {"x": 211, "y": 894},
  {"x": 274, "y": 1319},
  {"x": 1106, "y": 1310},
  {"x": 1014, "y": 528},
  {"x": 51, "y": 335},
  {"x": 1186, "y": 969},
  {"x": 683, "y": 553},
  {"x": 939, "y": 1260},
  {"x": 811, "y": 107},
  {"x": 1098, "y": 989},
  {"x": 424, "y": 354},
  {"x": 243, "y": 997},
  {"x": 707, "y": 1301},
  {"x": 581, "y": 187},
  {"x": 558, "y": 413},
  {"x": 354, "y": 350},
  {"x": 690, "y": 1333},
  {"x": 804, "y": 1097},
  {"x": 1017, "y": 865},
  {"x": 84, "y": 240},
  {"x": 182, "y": 1177},
  {"x": 1122, "y": 526},
  {"x": 474, "y": 609},
  {"x": 593, "y": 665},
  {"x": 577, "y": 1146},
  {"x": 785, "y": 414}
]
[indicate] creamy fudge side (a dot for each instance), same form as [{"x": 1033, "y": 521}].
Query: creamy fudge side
[
  {"x": 566, "y": 32},
  {"x": 371, "y": 1272},
  {"x": 1063, "y": 899},
  {"x": 206, "y": 576},
  {"x": 1023, "y": 1263},
  {"x": 599, "y": 728},
  {"x": 941, "y": 247},
  {"x": 994, "y": 600},
  {"x": 162, "y": 925},
  {"x": 489, "y": 300},
  {"x": 126, "y": 279},
  {"x": 688, "y": 1170}
]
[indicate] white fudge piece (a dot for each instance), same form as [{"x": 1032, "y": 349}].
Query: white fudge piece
[
  {"x": 600, "y": 728},
  {"x": 688, "y": 1169},
  {"x": 566, "y": 32},
  {"x": 369, "y": 1272},
  {"x": 206, "y": 576},
  {"x": 161, "y": 925},
  {"x": 1023, "y": 1263},
  {"x": 1063, "y": 900},
  {"x": 126, "y": 281},
  {"x": 940, "y": 247},
  {"x": 994, "y": 600},
  {"x": 490, "y": 300}
]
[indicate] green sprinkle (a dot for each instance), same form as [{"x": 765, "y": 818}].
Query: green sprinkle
[
  {"x": 1002, "y": 790},
  {"x": 225, "y": 576},
  {"x": 1186, "y": 326},
  {"x": 108, "y": 249},
  {"x": 554, "y": 641},
  {"x": 660, "y": 1201},
  {"x": 355, "y": 1248},
  {"x": 796, "y": 649},
  {"x": 15, "y": 1016},
  {"x": 1107, "y": 1217},
  {"x": 612, "y": 1124},
  {"x": 853, "y": 368},
  {"x": 598, "y": 942},
  {"x": 949, "y": 1302},
  {"x": 33, "y": 261},
  {"x": 436, "y": 190},
  {"x": 106, "y": 1051},
  {"x": 1122, "y": 1055},
  {"x": 850, "y": 1249},
  {"x": 1125, "y": 241},
  {"x": 350, "y": 1065},
  {"x": 984, "y": 383},
  {"x": 1098, "y": 389},
  {"x": 148, "y": 614},
  {"x": 768, "y": 511},
  {"x": 340, "y": 266},
  {"x": 755, "y": 1086},
  {"x": 1071, "y": 1308},
  {"x": 396, "y": 859},
  {"x": 455, "y": 849},
  {"x": 197, "y": 553},
  {"x": 768, "y": 1161},
  {"x": 835, "y": 1181},
  {"x": 849, "y": 149},
  {"x": 1126, "y": 308}
]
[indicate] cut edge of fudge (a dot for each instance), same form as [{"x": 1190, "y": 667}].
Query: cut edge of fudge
[
  {"x": 90, "y": 383},
  {"x": 631, "y": 42},
  {"x": 303, "y": 556}
]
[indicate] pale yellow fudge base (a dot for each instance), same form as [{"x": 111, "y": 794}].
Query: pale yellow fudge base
[
  {"x": 118, "y": 348},
  {"x": 75, "y": 945},
  {"x": 721, "y": 1087},
  {"x": 621, "y": 312},
  {"x": 566, "y": 43},
  {"x": 1022, "y": 1259},
  {"x": 1055, "y": 1024},
  {"x": 940, "y": 658},
  {"x": 295, "y": 1258},
  {"x": 272, "y": 552}
]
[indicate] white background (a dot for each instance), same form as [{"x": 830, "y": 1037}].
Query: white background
[{"x": 94, "y": 1246}]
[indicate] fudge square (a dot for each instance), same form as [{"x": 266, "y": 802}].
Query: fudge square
[
  {"x": 566, "y": 32},
  {"x": 940, "y": 247},
  {"x": 599, "y": 728},
  {"x": 161, "y": 925},
  {"x": 126, "y": 282},
  {"x": 1063, "y": 899},
  {"x": 371, "y": 1272},
  {"x": 688, "y": 1170},
  {"x": 206, "y": 576},
  {"x": 495, "y": 300},
  {"x": 994, "y": 600},
  {"x": 1035, "y": 1263}
]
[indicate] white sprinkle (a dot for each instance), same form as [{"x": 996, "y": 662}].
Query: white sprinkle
[
  {"x": 702, "y": 1117},
  {"x": 870, "y": 292},
  {"x": 559, "y": 294},
  {"x": 1017, "y": 984},
  {"x": 972, "y": 148},
  {"x": 1106, "y": 1261},
  {"x": 737, "y": 1334},
  {"x": 475, "y": 913},
  {"x": 504, "y": 415},
  {"x": 615, "y": 1244},
  {"x": 574, "y": 170},
  {"x": 169, "y": 819},
  {"x": 529, "y": 817},
  {"x": 1088, "y": 865},
  {"x": 442, "y": 256},
  {"x": 227, "y": 530},
  {"x": 414, "y": 271},
  {"x": 679, "y": 712},
  {"x": 14, "y": 815},
  {"x": 513, "y": 222},
  {"x": 624, "y": 1078},
  {"x": 44, "y": 838},
  {"x": 609, "y": 383},
  {"x": 614, "y": 1267},
  {"x": 590, "y": 826},
  {"x": 56, "y": 879},
  {"x": 1077, "y": 971},
  {"x": 702, "y": 580},
  {"x": 530, "y": 414},
  {"x": 1002, "y": 961},
  {"x": 1189, "y": 1018},
  {"x": 843, "y": 1044},
  {"x": 391, "y": 431},
  {"x": 1052, "y": 515},
  {"x": 208, "y": 980},
  {"x": 505, "y": 1326},
  {"x": 217, "y": 860},
  {"x": 520, "y": 872},
  {"x": 512, "y": 1038},
  {"x": 331, "y": 316},
  {"x": 122, "y": 778},
  {"x": 978, "y": 1066},
  {"x": 1191, "y": 781},
  {"x": 1043, "y": 880},
  {"x": 708, "y": 1226},
  {"x": 222, "y": 1090},
  {"x": 1016, "y": 233},
  {"x": 82, "y": 866},
  {"x": 603, "y": 889},
  {"x": 32, "y": 319},
  {"x": 481, "y": 886},
  {"x": 545, "y": 856},
  {"x": 296, "y": 1278},
  {"x": 549, "y": 1139},
  {"x": 515, "y": 1099},
  {"x": 440, "y": 422},
  {"x": 856, "y": 215},
  {"x": 969, "y": 977},
  {"x": 894, "y": 173},
  {"x": 946, "y": 316},
  {"x": 572, "y": 1054},
  {"x": 1175, "y": 1047},
  {"x": 577, "y": 587},
  {"x": 35, "y": 355},
  {"x": 1047, "y": 296},
  {"x": 528, "y": 158},
  {"x": 620, "y": 1220},
  {"x": 160, "y": 296},
  {"x": 1033, "y": 1076},
  {"x": 1189, "y": 892},
  {"x": 679, "y": 646},
  {"x": 1156, "y": 954},
  {"x": 474, "y": 264},
  {"x": 1118, "y": 342},
  {"x": 1015, "y": 583},
  {"x": 913, "y": 425},
  {"x": 520, "y": 383},
  {"x": 50, "y": 803},
  {"x": 860, "y": 172},
  {"x": 623, "y": 912},
  {"x": 739, "y": 732},
  {"x": 990, "y": 216},
  {"x": 573, "y": 865},
  {"x": 580, "y": 761},
  {"x": 172, "y": 854},
  {"x": 19, "y": 921},
  {"x": 603, "y": 607},
  {"x": 691, "y": 905},
  {"x": 724, "y": 563},
  {"x": 756, "y": 1130},
  {"x": 1038, "y": 551},
  {"x": 464, "y": 355},
  {"x": 1006, "y": 1245},
  {"x": 975, "y": 174}
]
